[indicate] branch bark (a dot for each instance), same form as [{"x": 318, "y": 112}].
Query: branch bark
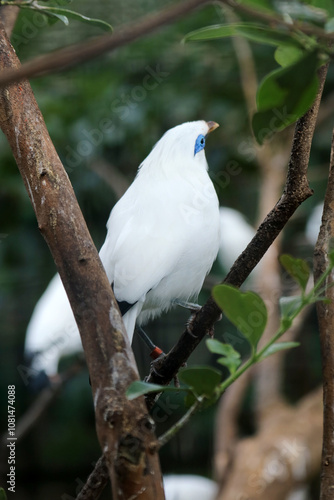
[
  {"x": 124, "y": 428},
  {"x": 325, "y": 313}
]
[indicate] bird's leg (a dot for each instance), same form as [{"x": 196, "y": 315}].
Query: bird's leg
[
  {"x": 187, "y": 305},
  {"x": 156, "y": 352}
]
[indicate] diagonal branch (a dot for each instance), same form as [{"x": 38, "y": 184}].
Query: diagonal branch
[
  {"x": 81, "y": 52},
  {"x": 295, "y": 192}
]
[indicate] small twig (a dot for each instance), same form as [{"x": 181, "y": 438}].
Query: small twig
[{"x": 164, "y": 438}]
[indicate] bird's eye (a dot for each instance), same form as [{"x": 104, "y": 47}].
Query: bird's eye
[{"x": 200, "y": 143}]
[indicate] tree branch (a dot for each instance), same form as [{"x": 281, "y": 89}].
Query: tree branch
[
  {"x": 124, "y": 428},
  {"x": 326, "y": 325},
  {"x": 71, "y": 56}
]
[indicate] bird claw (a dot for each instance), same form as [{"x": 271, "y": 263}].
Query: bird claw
[
  {"x": 192, "y": 306},
  {"x": 211, "y": 332}
]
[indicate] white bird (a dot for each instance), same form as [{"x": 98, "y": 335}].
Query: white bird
[
  {"x": 189, "y": 487},
  {"x": 162, "y": 239}
]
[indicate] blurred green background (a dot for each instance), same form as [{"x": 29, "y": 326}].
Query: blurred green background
[{"x": 102, "y": 116}]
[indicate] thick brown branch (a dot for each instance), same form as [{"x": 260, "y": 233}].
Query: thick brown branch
[
  {"x": 295, "y": 192},
  {"x": 124, "y": 428},
  {"x": 326, "y": 326},
  {"x": 75, "y": 54}
]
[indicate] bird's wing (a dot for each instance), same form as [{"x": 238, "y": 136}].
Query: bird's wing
[{"x": 143, "y": 244}]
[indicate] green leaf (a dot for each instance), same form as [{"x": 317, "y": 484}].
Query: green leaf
[
  {"x": 297, "y": 268},
  {"x": 279, "y": 346},
  {"x": 251, "y": 31},
  {"x": 246, "y": 310},
  {"x": 286, "y": 55},
  {"x": 285, "y": 95},
  {"x": 231, "y": 364},
  {"x": 202, "y": 380},
  {"x": 53, "y": 18},
  {"x": 139, "y": 388},
  {"x": 66, "y": 13},
  {"x": 218, "y": 347},
  {"x": 289, "y": 305},
  {"x": 230, "y": 359}
]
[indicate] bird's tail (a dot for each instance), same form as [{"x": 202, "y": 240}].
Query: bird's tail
[{"x": 130, "y": 317}]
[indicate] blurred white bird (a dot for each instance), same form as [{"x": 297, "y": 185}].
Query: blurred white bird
[
  {"x": 189, "y": 487},
  {"x": 313, "y": 224},
  {"x": 162, "y": 239},
  {"x": 235, "y": 234}
]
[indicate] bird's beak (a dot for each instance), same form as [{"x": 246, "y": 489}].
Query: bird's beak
[{"x": 212, "y": 126}]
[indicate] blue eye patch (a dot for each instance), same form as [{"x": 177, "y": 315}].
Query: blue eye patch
[{"x": 199, "y": 144}]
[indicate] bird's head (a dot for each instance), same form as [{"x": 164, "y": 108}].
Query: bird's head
[{"x": 180, "y": 147}]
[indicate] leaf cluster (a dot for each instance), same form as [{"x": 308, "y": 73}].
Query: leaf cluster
[
  {"x": 299, "y": 31},
  {"x": 248, "y": 313}
]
